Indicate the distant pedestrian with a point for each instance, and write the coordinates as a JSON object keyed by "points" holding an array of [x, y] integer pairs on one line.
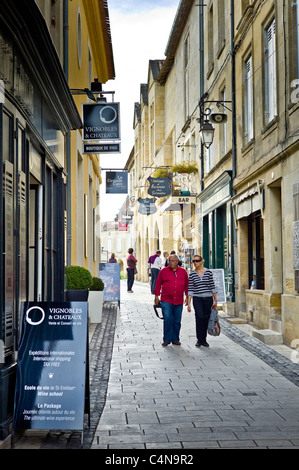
{"points": [[131, 269], [174, 253], [172, 284], [155, 264], [203, 291], [112, 259], [165, 259]]}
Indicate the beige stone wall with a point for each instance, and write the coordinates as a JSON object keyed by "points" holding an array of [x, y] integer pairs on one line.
{"points": [[272, 158]]}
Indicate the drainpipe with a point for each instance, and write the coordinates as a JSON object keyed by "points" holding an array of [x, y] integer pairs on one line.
{"points": [[234, 252], [68, 136], [201, 82], [2, 309], [233, 85]]}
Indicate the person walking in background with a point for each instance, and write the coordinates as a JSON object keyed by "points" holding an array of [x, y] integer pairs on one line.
{"points": [[165, 259], [202, 290], [174, 253], [155, 263], [112, 259], [131, 269], [172, 284]]}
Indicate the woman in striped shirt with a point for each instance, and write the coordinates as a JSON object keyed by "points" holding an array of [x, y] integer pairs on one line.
{"points": [[202, 290]]}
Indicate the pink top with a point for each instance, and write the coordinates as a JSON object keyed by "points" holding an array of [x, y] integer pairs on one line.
{"points": [[131, 257]]}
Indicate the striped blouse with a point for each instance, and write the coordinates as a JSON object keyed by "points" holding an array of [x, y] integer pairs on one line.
{"points": [[201, 286]]}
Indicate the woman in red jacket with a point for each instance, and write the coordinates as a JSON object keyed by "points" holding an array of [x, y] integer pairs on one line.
{"points": [[131, 269]]}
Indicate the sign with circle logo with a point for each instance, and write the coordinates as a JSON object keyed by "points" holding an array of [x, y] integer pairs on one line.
{"points": [[52, 370], [101, 121]]}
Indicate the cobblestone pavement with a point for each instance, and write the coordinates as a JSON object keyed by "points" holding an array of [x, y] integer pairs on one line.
{"points": [[239, 393]]}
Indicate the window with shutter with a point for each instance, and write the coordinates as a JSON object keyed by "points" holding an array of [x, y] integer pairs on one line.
{"points": [[248, 101], [270, 73]]}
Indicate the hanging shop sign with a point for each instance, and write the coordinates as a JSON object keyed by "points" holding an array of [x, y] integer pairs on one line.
{"points": [[176, 203], [116, 182], [159, 187], [147, 206], [101, 148], [101, 121], [122, 227], [52, 372]]}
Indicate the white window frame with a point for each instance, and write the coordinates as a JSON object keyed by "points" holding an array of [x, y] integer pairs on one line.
{"points": [[270, 72], [248, 100]]}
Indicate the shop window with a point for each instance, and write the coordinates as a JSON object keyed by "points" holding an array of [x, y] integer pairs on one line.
{"points": [[256, 263]]}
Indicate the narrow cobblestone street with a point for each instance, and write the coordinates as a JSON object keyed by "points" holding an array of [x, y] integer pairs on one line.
{"points": [[225, 396], [236, 394]]}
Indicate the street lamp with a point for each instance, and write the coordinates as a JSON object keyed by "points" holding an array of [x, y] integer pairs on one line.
{"points": [[207, 134]]}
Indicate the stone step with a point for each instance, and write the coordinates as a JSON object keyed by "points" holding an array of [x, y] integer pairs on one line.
{"points": [[236, 320], [275, 325], [268, 336]]}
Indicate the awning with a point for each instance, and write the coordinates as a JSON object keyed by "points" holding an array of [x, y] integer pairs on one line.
{"points": [[249, 200]]}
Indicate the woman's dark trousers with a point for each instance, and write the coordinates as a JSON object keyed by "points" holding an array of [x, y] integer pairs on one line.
{"points": [[202, 307], [130, 278]]}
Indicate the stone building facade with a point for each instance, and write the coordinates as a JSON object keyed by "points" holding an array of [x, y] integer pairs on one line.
{"points": [[266, 183], [239, 59]]}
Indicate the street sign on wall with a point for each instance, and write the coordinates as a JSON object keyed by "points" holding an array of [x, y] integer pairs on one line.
{"points": [[101, 121], [52, 366]]}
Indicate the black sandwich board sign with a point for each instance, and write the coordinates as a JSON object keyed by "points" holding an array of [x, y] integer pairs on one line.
{"points": [[52, 368]]}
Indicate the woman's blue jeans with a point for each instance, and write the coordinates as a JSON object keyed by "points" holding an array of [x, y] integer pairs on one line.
{"points": [[172, 321]]}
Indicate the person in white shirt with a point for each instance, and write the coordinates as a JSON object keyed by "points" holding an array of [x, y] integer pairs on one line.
{"points": [[155, 263]]}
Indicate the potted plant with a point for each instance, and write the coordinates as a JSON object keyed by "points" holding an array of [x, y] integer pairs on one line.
{"points": [[78, 282], [95, 300], [161, 173], [185, 167]]}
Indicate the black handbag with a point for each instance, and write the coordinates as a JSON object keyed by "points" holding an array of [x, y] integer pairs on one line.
{"points": [[156, 307]]}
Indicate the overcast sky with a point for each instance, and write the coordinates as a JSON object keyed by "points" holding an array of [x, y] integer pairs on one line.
{"points": [[140, 30]]}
